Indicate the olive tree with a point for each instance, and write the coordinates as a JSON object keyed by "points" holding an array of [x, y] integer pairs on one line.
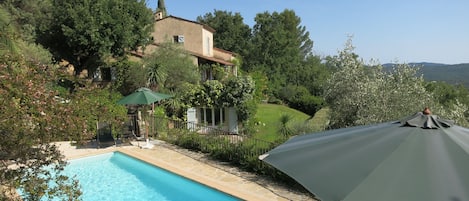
{"points": [[361, 94]]}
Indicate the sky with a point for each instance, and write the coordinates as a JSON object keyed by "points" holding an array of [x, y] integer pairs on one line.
{"points": [[401, 31]]}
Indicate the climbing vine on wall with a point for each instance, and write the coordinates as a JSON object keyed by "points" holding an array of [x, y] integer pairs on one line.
{"points": [[230, 92]]}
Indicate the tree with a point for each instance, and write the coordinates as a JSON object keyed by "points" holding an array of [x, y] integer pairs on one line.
{"points": [[313, 74], [6, 41], [29, 16], [161, 7], [298, 97], [279, 45], [234, 92], [169, 67], [231, 32], [36, 111], [454, 101], [279, 40], [87, 33], [359, 94], [306, 93], [31, 118]]}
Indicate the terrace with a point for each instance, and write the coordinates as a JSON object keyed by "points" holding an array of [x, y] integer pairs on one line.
{"points": [[198, 167]]}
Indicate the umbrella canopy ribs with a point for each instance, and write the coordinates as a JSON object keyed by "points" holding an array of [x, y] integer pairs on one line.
{"points": [[422, 157]]}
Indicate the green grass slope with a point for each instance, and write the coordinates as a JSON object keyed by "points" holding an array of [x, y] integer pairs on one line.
{"points": [[451, 74], [268, 116]]}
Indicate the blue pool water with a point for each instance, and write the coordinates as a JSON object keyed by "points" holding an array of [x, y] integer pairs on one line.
{"points": [[116, 176]]}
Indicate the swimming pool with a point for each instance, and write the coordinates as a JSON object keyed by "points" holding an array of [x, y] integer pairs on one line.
{"points": [[117, 176]]}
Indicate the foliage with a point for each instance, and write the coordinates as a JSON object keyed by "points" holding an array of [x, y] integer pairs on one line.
{"points": [[246, 110], [169, 67], [237, 90], [313, 75], [452, 74], [231, 32], [358, 94], [31, 118], [36, 110], [213, 72], [232, 92], [29, 16], [280, 44], [261, 86], [448, 94], [276, 54], [267, 120], [87, 33], [298, 97], [129, 76], [454, 101], [211, 93], [242, 153], [283, 129], [184, 138], [192, 95], [321, 120], [95, 104], [7, 33]]}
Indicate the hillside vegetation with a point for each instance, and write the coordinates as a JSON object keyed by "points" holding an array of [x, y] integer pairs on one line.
{"points": [[451, 74]]}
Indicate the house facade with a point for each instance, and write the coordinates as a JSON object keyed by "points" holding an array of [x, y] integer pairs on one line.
{"points": [[197, 40]]}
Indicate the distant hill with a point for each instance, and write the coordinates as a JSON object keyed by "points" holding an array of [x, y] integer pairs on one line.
{"points": [[452, 74]]}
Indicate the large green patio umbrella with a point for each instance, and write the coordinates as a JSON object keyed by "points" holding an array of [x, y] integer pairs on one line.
{"points": [[143, 96], [420, 158]]}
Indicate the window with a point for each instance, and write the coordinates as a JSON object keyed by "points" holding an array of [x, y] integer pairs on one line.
{"points": [[106, 74], [207, 43], [212, 116], [179, 39], [206, 72], [219, 116], [103, 74]]}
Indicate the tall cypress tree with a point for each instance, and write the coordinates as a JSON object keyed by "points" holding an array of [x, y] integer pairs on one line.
{"points": [[161, 7]]}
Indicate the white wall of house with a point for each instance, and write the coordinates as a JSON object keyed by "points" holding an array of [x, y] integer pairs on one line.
{"points": [[225, 118], [207, 46], [191, 118]]}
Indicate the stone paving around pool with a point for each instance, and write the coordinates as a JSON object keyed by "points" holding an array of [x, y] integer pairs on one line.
{"points": [[198, 167]]}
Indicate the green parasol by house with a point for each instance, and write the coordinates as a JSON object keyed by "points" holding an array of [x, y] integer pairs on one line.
{"points": [[143, 96]]}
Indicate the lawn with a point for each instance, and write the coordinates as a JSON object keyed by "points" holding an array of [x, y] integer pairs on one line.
{"points": [[268, 117]]}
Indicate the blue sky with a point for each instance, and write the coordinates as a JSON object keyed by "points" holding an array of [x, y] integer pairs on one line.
{"points": [[386, 30]]}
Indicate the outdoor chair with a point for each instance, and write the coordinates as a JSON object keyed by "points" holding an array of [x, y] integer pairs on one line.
{"points": [[104, 136]]}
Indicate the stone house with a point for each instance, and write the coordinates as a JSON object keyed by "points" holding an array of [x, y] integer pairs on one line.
{"points": [[197, 40]]}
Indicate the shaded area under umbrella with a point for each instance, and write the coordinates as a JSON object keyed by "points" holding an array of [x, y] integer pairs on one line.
{"points": [[143, 96], [420, 158]]}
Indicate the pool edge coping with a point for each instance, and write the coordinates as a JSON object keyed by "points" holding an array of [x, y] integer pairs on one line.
{"points": [[210, 182]]}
